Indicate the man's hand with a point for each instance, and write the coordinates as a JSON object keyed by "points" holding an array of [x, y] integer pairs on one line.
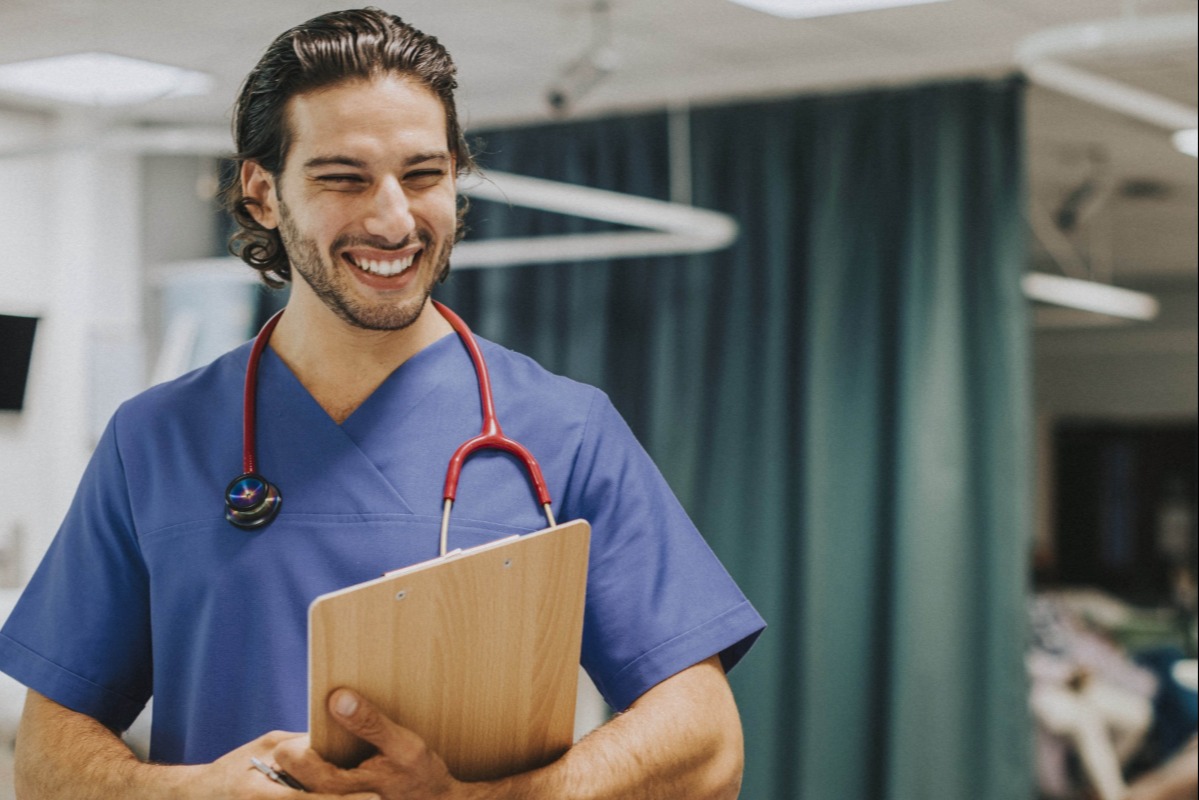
{"points": [[64, 754], [233, 775], [404, 767]]}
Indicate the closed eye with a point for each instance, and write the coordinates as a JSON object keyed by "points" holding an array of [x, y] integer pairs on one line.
{"points": [[336, 179], [423, 178]]}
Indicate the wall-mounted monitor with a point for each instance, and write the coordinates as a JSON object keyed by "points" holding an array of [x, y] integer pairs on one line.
{"points": [[16, 351]]}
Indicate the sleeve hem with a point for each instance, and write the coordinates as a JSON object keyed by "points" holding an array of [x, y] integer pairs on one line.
{"points": [[730, 634], [65, 687]]}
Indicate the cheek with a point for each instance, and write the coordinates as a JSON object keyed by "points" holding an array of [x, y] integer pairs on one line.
{"points": [[325, 222], [441, 212]]}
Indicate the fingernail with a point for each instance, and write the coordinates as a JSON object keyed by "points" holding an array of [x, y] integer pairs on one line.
{"points": [[345, 703]]}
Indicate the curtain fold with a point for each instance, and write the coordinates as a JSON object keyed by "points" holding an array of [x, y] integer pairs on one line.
{"points": [[841, 402]]}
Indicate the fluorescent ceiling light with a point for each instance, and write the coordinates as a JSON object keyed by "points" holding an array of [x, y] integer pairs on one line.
{"points": [[1100, 298], [796, 9], [101, 79], [1187, 142]]}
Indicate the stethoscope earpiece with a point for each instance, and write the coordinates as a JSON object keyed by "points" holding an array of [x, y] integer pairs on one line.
{"points": [[251, 501]]}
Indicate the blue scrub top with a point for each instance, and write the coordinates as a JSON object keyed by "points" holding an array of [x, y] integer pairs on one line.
{"points": [[148, 590]]}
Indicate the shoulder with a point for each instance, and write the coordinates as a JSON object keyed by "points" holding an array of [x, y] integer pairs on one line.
{"points": [[564, 422], [170, 445], [528, 381], [206, 398], [211, 381]]}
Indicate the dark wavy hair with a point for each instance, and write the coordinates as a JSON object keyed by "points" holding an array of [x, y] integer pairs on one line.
{"points": [[335, 47]]}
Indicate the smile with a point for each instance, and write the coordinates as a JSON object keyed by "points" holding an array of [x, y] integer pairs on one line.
{"points": [[381, 267]]}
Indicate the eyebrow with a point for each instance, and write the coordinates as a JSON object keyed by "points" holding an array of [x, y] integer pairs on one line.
{"points": [[357, 163]]}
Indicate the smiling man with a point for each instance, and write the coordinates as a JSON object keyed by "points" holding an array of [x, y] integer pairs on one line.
{"points": [[365, 206], [349, 150]]}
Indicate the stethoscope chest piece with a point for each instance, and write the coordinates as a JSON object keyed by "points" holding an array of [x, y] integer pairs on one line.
{"points": [[251, 501]]}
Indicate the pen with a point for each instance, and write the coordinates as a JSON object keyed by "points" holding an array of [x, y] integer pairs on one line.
{"points": [[277, 775]]}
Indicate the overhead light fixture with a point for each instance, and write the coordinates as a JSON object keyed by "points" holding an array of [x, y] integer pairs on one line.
{"points": [[101, 79], [1187, 141], [583, 74], [1042, 56], [1099, 298], [797, 9]]}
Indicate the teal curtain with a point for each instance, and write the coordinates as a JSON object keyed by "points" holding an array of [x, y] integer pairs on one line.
{"points": [[841, 401]]}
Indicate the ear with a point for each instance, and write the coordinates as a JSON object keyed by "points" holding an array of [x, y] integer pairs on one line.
{"points": [[258, 187]]}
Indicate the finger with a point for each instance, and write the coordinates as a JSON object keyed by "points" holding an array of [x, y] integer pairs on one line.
{"points": [[361, 718], [291, 750], [301, 762], [269, 741], [281, 760], [266, 780]]}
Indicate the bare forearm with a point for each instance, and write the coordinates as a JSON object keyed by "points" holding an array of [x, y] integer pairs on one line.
{"points": [[651, 752], [63, 754]]}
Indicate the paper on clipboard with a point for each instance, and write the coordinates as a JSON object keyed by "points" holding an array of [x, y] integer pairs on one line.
{"points": [[476, 651]]}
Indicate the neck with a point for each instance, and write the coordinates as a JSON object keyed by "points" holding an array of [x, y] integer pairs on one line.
{"points": [[341, 364]]}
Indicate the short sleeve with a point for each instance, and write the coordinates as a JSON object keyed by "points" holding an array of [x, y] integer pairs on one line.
{"points": [[80, 632], [658, 599]]}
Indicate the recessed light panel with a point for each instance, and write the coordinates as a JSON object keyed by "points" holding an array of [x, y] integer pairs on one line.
{"points": [[101, 79], [796, 9]]}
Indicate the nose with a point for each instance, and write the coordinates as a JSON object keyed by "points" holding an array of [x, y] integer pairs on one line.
{"points": [[389, 212]]}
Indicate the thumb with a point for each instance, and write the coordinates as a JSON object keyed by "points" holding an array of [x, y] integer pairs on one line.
{"points": [[363, 719]]}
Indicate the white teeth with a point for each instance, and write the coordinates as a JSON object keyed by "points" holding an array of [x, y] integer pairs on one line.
{"points": [[385, 268]]}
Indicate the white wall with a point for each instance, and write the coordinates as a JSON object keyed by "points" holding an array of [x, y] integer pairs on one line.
{"points": [[71, 240], [81, 228], [26, 198], [1133, 371]]}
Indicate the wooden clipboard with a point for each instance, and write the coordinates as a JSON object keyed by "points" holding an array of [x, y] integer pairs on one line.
{"points": [[476, 651]]}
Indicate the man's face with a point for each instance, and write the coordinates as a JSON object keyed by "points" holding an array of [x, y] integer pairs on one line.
{"points": [[366, 201]]}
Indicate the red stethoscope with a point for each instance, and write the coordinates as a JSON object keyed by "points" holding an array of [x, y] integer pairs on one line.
{"points": [[251, 501]]}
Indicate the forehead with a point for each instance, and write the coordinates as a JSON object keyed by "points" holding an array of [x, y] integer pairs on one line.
{"points": [[386, 116]]}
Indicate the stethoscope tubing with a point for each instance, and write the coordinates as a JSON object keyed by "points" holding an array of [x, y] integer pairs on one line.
{"points": [[492, 437], [250, 399], [251, 501], [258, 512]]}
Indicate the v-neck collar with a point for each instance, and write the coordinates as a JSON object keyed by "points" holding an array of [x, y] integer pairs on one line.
{"points": [[404, 388], [348, 466]]}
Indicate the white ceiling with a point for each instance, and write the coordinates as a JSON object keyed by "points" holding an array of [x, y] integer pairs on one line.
{"points": [[1142, 229]]}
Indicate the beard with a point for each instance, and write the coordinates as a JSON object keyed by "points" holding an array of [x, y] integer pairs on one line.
{"points": [[335, 288]]}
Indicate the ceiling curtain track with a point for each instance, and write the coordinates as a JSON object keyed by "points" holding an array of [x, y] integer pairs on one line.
{"points": [[841, 401]]}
